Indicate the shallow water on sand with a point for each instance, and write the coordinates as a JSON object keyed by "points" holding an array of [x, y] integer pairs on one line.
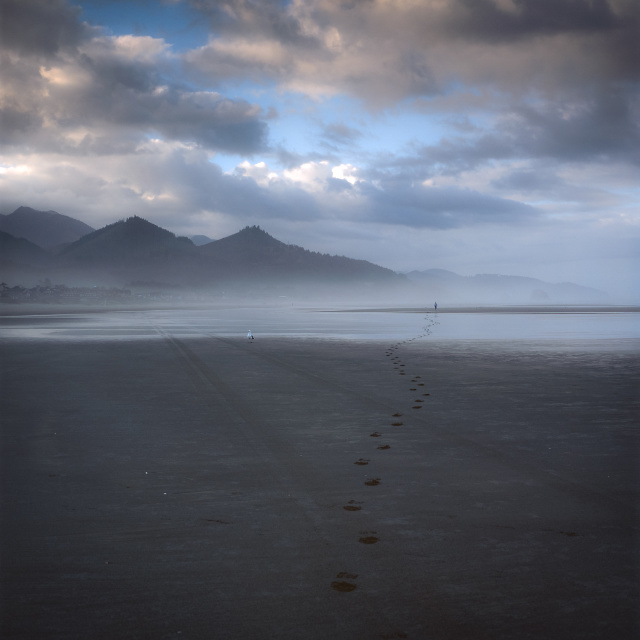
{"points": [[390, 324]]}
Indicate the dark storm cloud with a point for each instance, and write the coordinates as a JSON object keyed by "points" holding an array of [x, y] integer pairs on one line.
{"points": [[385, 52], [66, 77], [530, 181], [267, 18], [40, 27], [204, 186], [135, 96], [442, 208], [487, 20], [611, 26], [604, 127], [341, 133]]}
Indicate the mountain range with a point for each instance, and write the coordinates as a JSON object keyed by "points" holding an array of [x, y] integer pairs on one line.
{"points": [[499, 289], [35, 245], [136, 253]]}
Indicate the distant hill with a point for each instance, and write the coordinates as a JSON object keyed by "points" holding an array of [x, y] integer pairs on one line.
{"points": [[253, 254], [199, 240], [129, 250], [21, 261], [44, 228], [20, 252], [135, 252], [248, 262], [449, 287], [133, 241]]}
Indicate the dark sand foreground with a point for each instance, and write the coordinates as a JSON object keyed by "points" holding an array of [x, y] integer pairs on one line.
{"points": [[180, 486]]}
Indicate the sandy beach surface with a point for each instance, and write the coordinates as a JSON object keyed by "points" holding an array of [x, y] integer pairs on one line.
{"points": [[162, 478]]}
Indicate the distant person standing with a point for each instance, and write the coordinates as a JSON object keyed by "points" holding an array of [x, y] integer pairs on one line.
{"points": [[435, 306], [249, 336]]}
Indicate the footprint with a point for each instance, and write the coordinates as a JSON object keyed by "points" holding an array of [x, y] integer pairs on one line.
{"points": [[421, 384], [368, 540], [413, 389], [426, 394], [353, 505], [218, 521], [419, 400], [396, 415], [396, 424], [385, 446], [419, 406], [375, 434], [373, 482], [362, 461], [342, 585]]}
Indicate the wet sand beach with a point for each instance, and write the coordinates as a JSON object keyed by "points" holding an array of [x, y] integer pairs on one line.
{"points": [[162, 480]]}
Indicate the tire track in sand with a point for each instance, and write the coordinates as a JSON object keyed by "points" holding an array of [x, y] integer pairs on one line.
{"points": [[285, 469]]}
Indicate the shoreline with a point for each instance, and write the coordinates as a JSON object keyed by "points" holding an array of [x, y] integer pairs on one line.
{"points": [[528, 309], [27, 308], [220, 488]]}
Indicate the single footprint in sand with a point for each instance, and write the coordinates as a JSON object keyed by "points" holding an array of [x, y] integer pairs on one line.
{"points": [[361, 461], [368, 540], [418, 406], [353, 505], [396, 424], [343, 585], [396, 415], [385, 446], [373, 482], [375, 434]]}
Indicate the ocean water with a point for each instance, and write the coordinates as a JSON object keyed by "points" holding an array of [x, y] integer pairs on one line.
{"points": [[566, 326]]}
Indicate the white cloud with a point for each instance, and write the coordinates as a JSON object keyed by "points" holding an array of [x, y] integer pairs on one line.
{"points": [[345, 172], [259, 172], [310, 175]]}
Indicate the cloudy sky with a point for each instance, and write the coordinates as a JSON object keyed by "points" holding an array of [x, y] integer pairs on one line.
{"points": [[480, 136]]}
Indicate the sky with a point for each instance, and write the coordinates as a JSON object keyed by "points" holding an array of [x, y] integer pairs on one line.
{"points": [[479, 136]]}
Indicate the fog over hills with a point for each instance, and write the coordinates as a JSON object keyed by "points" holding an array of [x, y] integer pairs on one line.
{"points": [[21, 252], [449, 287], [253, 253], [136, 253], [199, 240], [44, 228]]}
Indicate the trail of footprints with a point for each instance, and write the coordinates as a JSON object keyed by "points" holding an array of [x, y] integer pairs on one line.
{"points": [[345, 581]]}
